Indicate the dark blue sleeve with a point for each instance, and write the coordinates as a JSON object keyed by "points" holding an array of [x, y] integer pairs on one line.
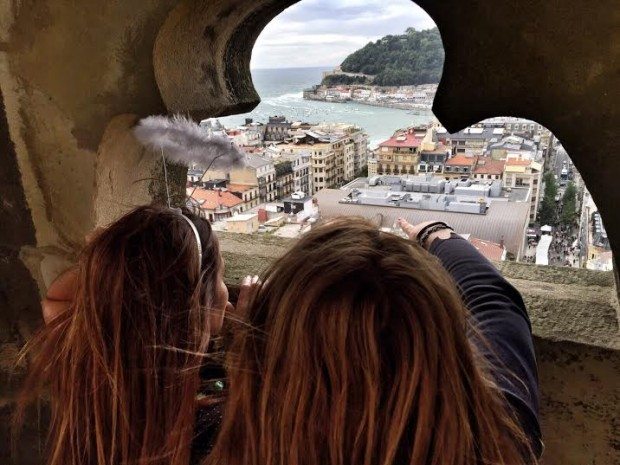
{"points": [[499, 314]]}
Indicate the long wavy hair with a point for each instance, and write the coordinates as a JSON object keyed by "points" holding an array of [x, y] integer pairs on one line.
{"points": [[122, 364], [356, 351]]}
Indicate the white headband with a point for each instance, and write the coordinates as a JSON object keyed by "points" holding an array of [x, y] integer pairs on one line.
{"points": [[193, 226]]}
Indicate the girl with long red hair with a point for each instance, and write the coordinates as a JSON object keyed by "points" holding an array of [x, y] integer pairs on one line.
{"points": [[126, 335], [363, 348]]}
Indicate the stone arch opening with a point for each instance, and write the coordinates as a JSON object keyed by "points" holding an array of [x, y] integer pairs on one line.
{"points": [[288, 103], [74, 77], [473, 87]]}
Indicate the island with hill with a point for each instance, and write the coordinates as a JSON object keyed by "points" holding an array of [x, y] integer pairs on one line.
{"points": [[399, 71]]}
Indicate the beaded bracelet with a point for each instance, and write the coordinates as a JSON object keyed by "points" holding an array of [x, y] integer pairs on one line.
{"points": [[429, 229]]}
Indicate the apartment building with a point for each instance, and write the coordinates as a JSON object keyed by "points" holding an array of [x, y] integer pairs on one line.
{"points": [[247, 193], [213, 205], [488, 169], [525, 173], [300, 158], [400, 154], [433, 154], [372, 166], [246, 136], [277, 128], [333, 151], [470, 141], [324, 168], [302, 176], [460, 166], [258, 171], [360, 154], [433, 161], [284, 179], [350, 144]]}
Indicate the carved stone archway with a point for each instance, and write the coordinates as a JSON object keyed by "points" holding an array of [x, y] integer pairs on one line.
{"points": [[74, 76]]}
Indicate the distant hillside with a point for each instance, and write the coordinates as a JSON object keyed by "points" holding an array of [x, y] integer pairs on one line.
{"points": [[415, 57]]}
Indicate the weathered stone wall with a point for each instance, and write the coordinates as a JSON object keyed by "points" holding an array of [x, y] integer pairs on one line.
{"points": [[67, 69], [74, 76], [580, 402]]}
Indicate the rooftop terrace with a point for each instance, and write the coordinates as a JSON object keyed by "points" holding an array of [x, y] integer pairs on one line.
{"points": [[503, 220]]}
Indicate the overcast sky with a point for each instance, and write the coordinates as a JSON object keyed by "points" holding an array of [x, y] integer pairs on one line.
{"points": [[324, 32]]}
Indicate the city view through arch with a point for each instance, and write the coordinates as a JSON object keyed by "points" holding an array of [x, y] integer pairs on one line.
{"points": [[345, 127]]}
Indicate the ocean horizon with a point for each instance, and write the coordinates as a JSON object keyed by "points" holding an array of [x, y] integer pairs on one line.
{"points": [[326, 67]]}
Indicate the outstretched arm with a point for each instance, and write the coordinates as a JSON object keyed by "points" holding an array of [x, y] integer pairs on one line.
{"points": [[499, 315]]}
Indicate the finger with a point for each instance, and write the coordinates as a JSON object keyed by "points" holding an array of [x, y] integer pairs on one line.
{"points": [[53, 308], [245, 294], [407, 227], [91, 235], [64, 286]]}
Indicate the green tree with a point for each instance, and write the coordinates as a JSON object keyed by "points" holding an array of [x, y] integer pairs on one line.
{"points": [[548, 213], [343, 79], [569, 204], [415, 57], [551, 185]]}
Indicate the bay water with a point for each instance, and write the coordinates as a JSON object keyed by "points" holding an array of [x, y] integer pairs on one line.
{"points": [[281, 92]]}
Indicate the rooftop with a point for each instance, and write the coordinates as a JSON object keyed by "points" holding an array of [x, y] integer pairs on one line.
{"points": [[241, 187], [243, 217], [439, 149], [256, 161], [461, 160], [514, 143], [503, 219], [490, 250], [473, 133], [517, 162], [407, 139], [213, 199], [488, 165]]}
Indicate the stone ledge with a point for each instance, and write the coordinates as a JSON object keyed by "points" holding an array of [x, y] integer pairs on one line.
{"points": [[565, 304]]}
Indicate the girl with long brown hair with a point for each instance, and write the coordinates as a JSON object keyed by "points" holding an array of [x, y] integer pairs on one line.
{"points": [[126, 336], [360, 349]]}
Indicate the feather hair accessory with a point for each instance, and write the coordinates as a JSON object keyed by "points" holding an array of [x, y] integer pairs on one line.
{"points": [[181, 140]]}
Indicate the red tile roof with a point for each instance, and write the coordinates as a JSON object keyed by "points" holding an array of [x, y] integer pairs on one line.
{"points": [[490, 250], [407, 140], [487, 165], [212, 199], [461, 160]]}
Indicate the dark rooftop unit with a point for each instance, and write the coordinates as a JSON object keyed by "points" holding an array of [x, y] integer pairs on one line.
{"points": [[215, 184], [277, 120], [295, 203]]}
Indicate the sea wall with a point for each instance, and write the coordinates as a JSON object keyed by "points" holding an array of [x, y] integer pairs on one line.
{"points": [[399, 106]]}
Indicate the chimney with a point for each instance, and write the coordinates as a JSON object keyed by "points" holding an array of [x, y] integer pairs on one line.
{"points": [[501, 242]]}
